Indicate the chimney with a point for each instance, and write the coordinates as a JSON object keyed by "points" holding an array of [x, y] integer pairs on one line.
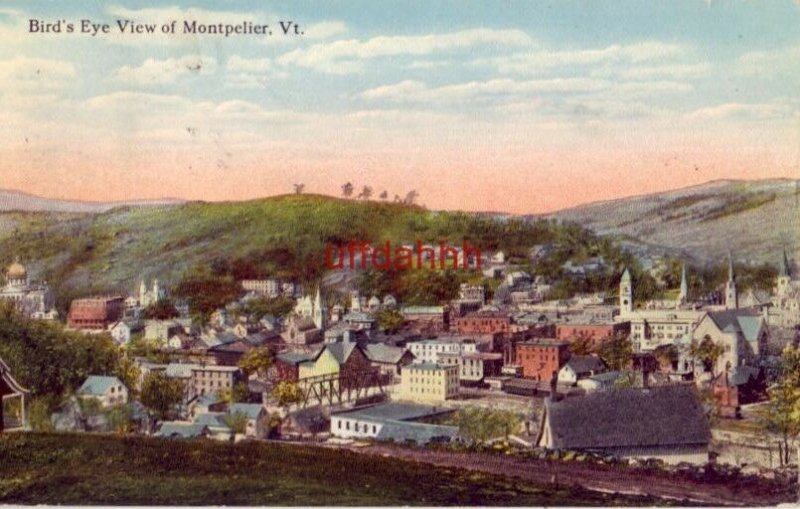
{"points": [[554, 396]]}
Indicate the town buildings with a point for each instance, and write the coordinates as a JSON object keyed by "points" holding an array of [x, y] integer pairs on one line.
{"points": [[666, 423], [34, 300], [95, 313], [397, 422], [428, 383], [108, 391], [542, 359]]}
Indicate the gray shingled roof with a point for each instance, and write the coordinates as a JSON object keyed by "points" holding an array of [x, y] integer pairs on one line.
{"points": [[384, 353], [341, 351], [582, 364], [421, 433], [741, 321], [634, 417]]}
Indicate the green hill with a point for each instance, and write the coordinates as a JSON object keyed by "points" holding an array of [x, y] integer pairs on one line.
{"points": [[755, 220], [110, 470], [283, 236]]}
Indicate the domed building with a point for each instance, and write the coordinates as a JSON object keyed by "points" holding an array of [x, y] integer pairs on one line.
{"points": [[31, 299]]}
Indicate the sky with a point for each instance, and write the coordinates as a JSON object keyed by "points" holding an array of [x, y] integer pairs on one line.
{"points": [[517, 106]]}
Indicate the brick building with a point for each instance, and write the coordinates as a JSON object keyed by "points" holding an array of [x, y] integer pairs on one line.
{"points": [[595, 332], [95, 313], [483, 322], [541, 358]]}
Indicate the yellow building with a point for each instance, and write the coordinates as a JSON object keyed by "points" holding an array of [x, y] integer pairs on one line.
{"points": [[325, 363], [428, 383]]}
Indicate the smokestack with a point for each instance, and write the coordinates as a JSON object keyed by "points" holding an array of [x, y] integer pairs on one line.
{"points": [[554, 396]]}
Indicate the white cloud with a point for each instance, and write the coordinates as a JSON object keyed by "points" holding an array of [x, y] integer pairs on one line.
{"points": [[779, 109], [170, 70], [31, 74], [537, 59], [346, 56], [770, 62], [413, 91], [671, 71]]}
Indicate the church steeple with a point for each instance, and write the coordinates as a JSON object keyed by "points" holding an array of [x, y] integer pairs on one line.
{"points": [[731, 296], [683, 296], [786, 267], [625, 294], [319, 310]]}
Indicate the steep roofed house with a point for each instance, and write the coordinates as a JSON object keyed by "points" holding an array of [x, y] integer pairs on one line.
{"points": [[579, 367], [666, 422], [301, 330], [107, 390], [742, 333], [389, 359]]}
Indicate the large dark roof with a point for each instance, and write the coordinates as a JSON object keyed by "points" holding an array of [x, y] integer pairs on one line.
{"points": [[742, 321], [634, 417]]}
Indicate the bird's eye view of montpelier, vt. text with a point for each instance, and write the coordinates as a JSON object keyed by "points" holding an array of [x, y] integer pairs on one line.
{"points": [[400, 253]]}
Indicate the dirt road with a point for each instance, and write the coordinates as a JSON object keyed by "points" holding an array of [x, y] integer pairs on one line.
{"points": [[598, 477]]}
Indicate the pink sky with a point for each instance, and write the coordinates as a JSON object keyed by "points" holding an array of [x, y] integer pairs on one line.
{"points": [[526, 183]]}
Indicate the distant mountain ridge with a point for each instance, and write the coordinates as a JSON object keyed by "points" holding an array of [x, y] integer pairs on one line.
{"points": [[754, 220], [26, 202]]}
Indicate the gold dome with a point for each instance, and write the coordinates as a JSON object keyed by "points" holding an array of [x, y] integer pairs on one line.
{"points": [[16, 271]]}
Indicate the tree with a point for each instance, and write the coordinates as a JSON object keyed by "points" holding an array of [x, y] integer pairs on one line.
{"points": [[287, 393], [707, 352], [480, 424], [256, 360], [617, 352], [347, 190], [666, 355], [581, 345], [384, 195], [298, 188], [239, 393], [625, 381], [39, 415], [237, 422], [161, 394], [365, 193], [278, 307], [783, 411], [120, 418], [389, 320], [161, 310], [411, 197]]}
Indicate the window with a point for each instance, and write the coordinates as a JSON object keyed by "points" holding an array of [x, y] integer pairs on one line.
{"points": [[347, 425], [340, 425]]}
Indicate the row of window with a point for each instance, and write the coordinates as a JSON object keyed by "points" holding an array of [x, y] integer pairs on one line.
{"points": [[357, 428]]}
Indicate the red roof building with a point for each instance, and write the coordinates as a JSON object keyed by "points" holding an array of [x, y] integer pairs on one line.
{"points": [[95, 313]]}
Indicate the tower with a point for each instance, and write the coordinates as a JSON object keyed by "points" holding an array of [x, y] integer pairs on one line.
{"points": [[784, 276], [731, 297], [625, 294], [683, 296], [319, 311], [142, 294], [156, 291]]}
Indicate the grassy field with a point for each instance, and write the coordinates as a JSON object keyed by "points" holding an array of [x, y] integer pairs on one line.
{"points": [[94, 469]]}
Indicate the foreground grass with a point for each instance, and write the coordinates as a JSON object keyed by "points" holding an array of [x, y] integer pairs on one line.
{"points": [[94, 469]]}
